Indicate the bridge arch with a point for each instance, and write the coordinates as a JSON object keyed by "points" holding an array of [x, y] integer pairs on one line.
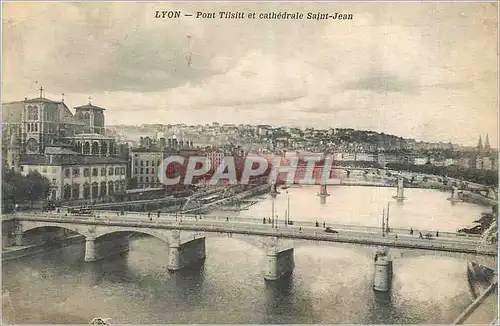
{"points": [[27, 226], [164, 236]]}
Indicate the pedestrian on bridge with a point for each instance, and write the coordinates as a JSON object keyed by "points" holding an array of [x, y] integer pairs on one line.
{"points": [[149, 214], [158, 214], [437, 234], [411, 231], [324, 225], [264, 220], [227, 218], [420, 235]]}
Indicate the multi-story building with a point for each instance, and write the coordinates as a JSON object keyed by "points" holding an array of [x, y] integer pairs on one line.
{"points": [[144, 167], [76, 177], [216, 158], [40, 122]]}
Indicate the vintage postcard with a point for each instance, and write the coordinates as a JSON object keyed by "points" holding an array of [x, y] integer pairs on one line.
{"points": [[249, 163]]}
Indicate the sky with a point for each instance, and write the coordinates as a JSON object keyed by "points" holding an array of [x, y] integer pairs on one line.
{"points": [[427, 71]]}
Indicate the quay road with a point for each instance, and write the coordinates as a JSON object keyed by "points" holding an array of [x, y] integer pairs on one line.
{"points": [[446, 242]]}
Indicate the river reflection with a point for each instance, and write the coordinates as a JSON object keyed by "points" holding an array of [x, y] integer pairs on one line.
{"points": [[330, 284]]}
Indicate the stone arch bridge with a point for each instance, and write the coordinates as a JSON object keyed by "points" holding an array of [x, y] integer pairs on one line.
{"points": [[186, 242]]}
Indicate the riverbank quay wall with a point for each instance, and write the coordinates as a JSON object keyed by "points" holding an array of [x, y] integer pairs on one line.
{"points": [[15, 252], [491, 291]]}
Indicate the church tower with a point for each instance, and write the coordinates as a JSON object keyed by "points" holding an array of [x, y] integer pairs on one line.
{"points": [[480, 144], [487, 144], [14, 151]]}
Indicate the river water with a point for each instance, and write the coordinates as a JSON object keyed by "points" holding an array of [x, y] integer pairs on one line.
{"points": [[329, 285]]}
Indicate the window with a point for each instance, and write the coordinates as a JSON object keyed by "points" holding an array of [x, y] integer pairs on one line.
{"points": [[95, 172], [86, 172], [158, 163], [122, 171], [117, 171], [135, 170], [152, 163], [142, 162], [140, 179], [32, 113], [153, 170], [103, 188], [147, 163], [76, 172], [66, 173], [142, 170], [136, 162], [103, 172], [147, 170], [147, 179], [110, 171]]}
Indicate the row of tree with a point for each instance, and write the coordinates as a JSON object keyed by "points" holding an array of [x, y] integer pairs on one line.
{"points": [[20, 189]]}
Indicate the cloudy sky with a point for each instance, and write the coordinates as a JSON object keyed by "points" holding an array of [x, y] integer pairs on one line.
{"points": [[421, 70]]}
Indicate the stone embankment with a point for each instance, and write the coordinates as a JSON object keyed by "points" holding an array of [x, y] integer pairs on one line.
{"points": [[15, 252]]}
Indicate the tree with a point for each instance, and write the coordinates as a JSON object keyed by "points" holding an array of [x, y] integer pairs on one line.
{"points": [[36, 186], [132, 183], [17, 188]]}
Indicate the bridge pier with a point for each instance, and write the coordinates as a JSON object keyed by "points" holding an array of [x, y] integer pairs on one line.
{"points": [[279, 264], [382, 278], [90, 249], [400, 190], [181, 255], [454, 196], [18, 238], [174, 257]]}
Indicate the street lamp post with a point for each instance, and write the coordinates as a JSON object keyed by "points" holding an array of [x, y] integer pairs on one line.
{"points": [[288, 208], [272, 213], [387, 219], [383, 222]]}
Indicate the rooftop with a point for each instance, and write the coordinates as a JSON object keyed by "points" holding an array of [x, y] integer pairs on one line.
{"points": [[89, 136], [89, 107], [40, 99], [53, 150], [69, 160]]}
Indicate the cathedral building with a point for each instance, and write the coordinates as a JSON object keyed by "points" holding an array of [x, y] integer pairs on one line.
{"points": [[71, 150], [485, 157]]}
